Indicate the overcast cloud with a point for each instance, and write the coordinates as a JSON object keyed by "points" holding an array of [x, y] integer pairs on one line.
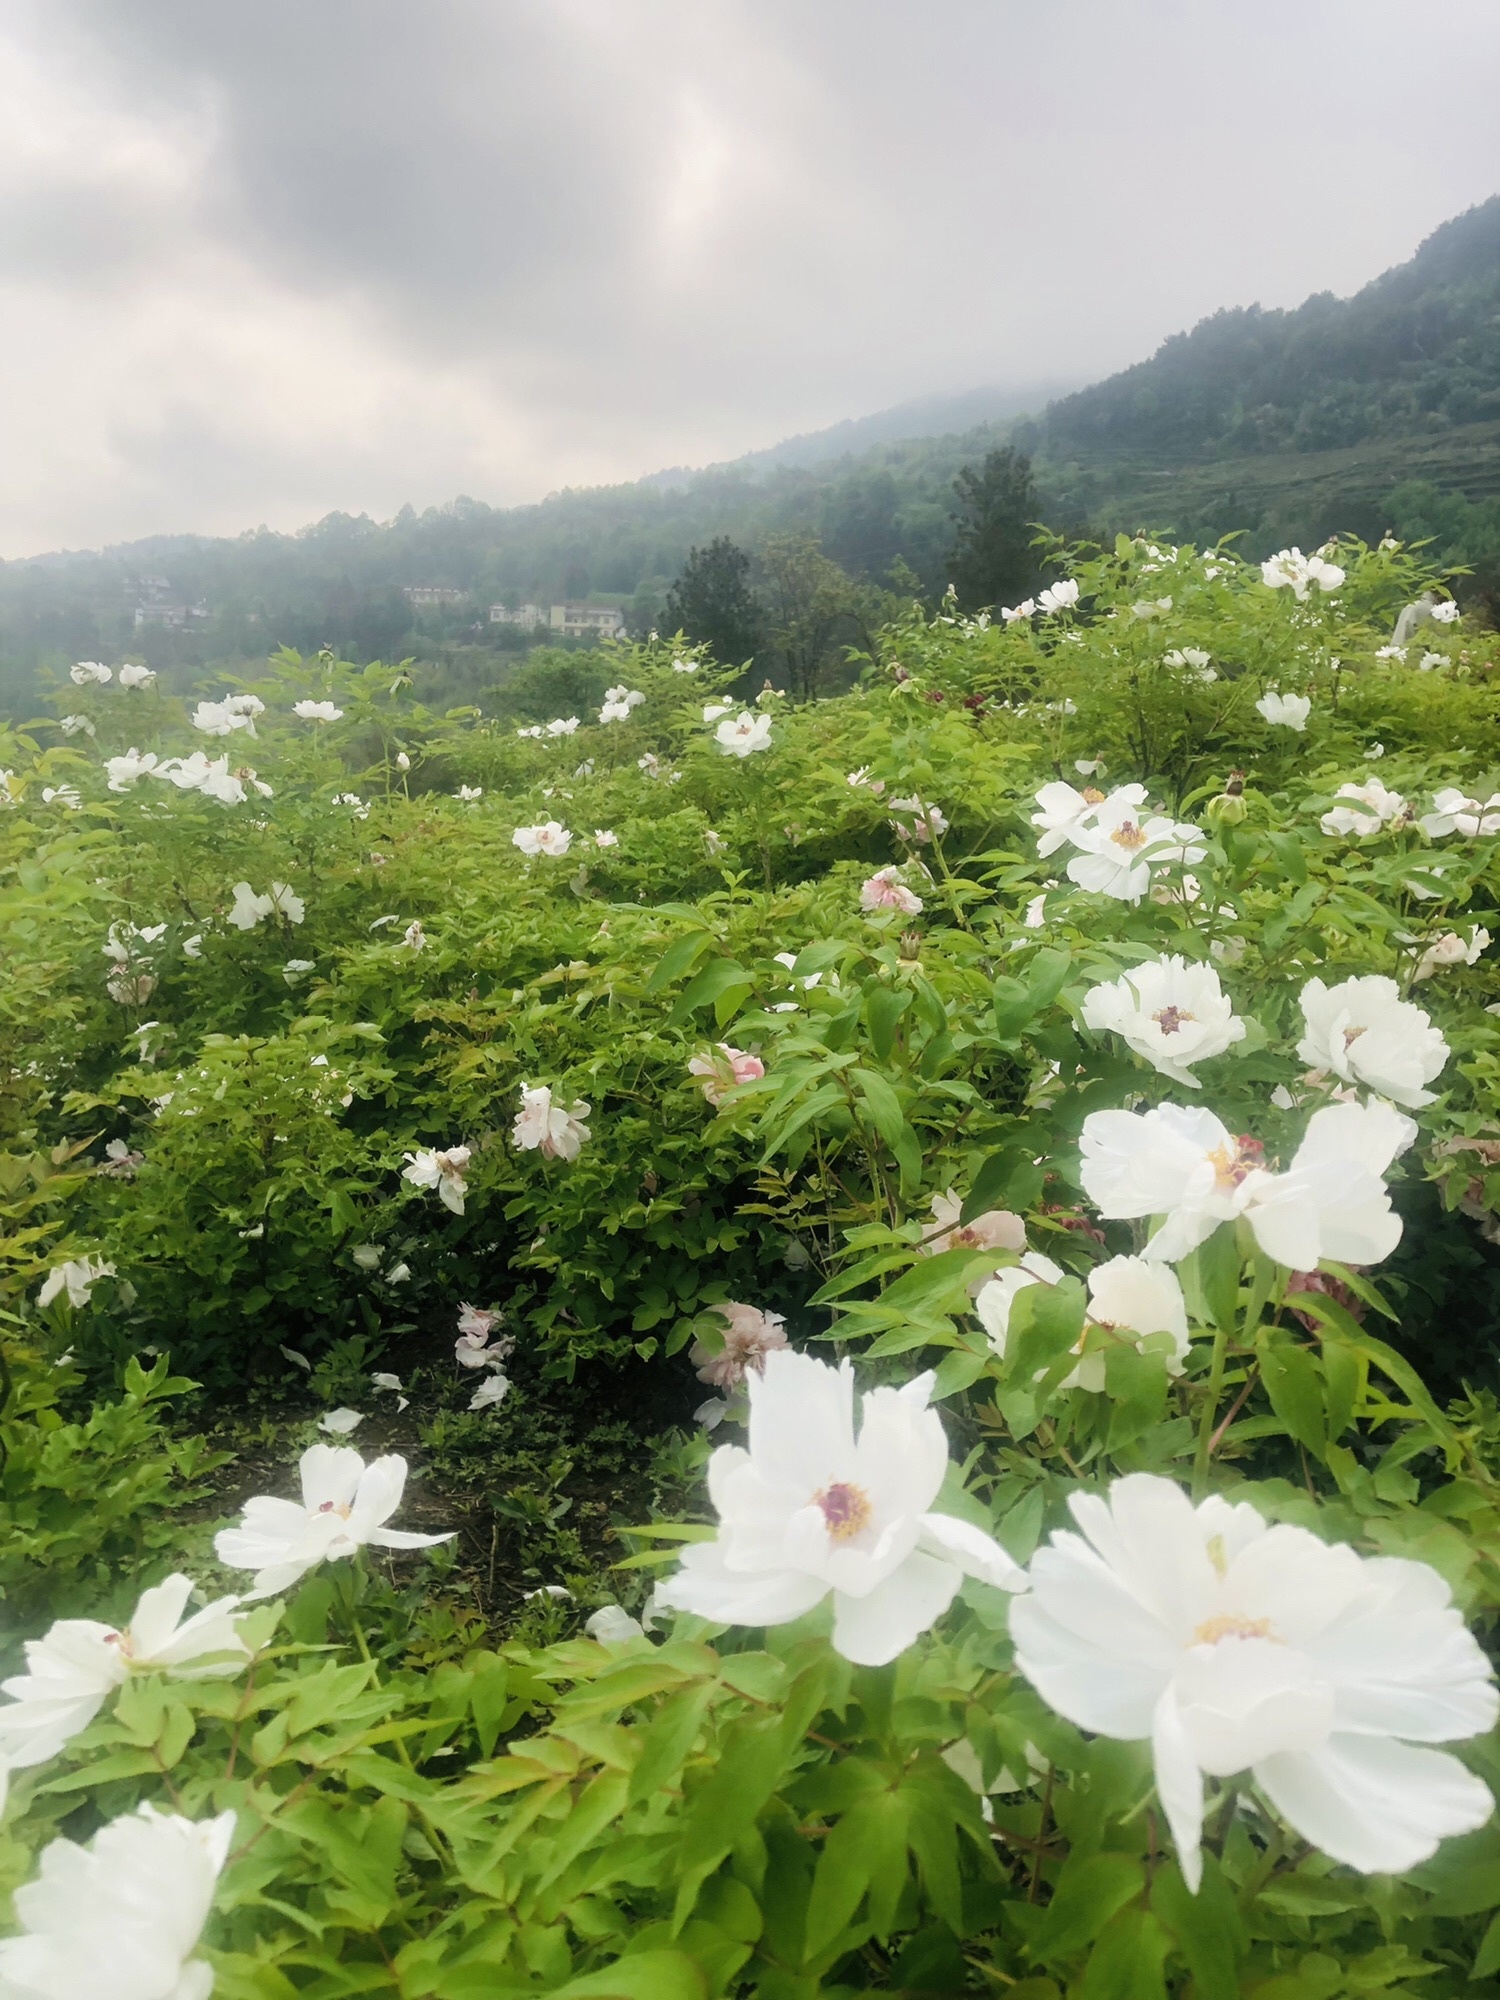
{"points": [[260, 259]]}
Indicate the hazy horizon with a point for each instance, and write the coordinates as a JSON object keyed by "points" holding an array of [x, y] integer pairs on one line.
{"points": [[260, 266]]}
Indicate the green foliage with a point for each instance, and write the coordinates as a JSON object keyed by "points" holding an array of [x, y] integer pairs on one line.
{"points": [[440, 1789]]}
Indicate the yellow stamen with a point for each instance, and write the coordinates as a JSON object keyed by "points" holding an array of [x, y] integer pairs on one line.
{"points": [[1227, 1626]]}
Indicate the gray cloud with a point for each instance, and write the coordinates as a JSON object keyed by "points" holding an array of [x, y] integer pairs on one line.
{"points": [[259, 261]]}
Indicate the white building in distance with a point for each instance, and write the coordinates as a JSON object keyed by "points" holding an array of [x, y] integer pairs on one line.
{"points": [[427, 596], [587, 621], [524, 614]]}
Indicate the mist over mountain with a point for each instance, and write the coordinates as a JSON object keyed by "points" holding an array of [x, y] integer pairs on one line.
{"points": [[1380, 410]]}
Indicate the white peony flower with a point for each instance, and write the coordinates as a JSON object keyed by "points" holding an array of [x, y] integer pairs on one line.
{"points": [[615, 711], [345, 1505], [555, 1131], [445, 1171], [884, 890], [1133, 1296], [317, 711], [1170, 1011], [1365, 1033], [562, 726], [77, 1278], [1014, 613], [1372, 807], [414, 937], [467, 794], [1067, 813], [1060, 596], [1232, 1645], [341, 1422], [1331, 1202], [1446, 612], [64, 795], [996, 1229], [1188, 1168], [745, 735], [1194, 660], [90, 673], [1292, 570], [492, 1391], [123, 772], [73, 1670], [1451, 949], [1284, 711], [1117, 849], [684, 666], [547, 837], [218, 718], [137, 677], [120, 1917], [604, 838], [71, 725], [1454, 812], [811, 1509]]}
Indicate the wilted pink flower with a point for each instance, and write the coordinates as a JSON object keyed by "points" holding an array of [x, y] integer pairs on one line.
{"points": [[480, 1320], [722, 1069], [749, 1336], [886, 891]]}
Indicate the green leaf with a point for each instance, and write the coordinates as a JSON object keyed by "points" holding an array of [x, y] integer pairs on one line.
{"points": [[649, 1975], [884, 1105], [1487, 1958], [1045, 1322], [1295, 1387], [1126, 1963], [668, 1740], [1046, 976], [679, 957], [884, 1006], [1207, 1927], [1007, 1179], [1090, 1890], [714, 983], [866, 1846]]}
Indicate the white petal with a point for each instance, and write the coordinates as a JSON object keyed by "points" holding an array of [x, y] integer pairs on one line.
{"points": [[974, 1551], [1179, 1786], [1379, 1805], [873, 1630]]}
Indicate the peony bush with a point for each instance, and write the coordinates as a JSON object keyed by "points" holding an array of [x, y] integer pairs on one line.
{"points": [[1046, 1097]]}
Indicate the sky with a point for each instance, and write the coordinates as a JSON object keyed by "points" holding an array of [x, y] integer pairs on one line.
{"points": [[261, 260]]}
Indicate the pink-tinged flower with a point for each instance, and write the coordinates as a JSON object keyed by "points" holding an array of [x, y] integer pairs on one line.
{"points": [[930, 820], [545, 838], [886, 891], [1451, 949], [811, 1509], [555, 1131], [444, 1171], [996, 1229], [722, 1069], [744, 736], [749, 1336], [480, 1320]]}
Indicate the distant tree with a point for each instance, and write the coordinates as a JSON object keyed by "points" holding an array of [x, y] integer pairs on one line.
{"points": [[712, 603], [991, 561], [816, 611]]}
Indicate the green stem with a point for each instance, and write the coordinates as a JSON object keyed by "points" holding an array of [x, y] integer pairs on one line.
{"points": [[1209, 1413]]}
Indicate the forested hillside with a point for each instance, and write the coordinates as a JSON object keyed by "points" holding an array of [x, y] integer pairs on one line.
{"points": [[1415, 353], [1380, 412]]}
